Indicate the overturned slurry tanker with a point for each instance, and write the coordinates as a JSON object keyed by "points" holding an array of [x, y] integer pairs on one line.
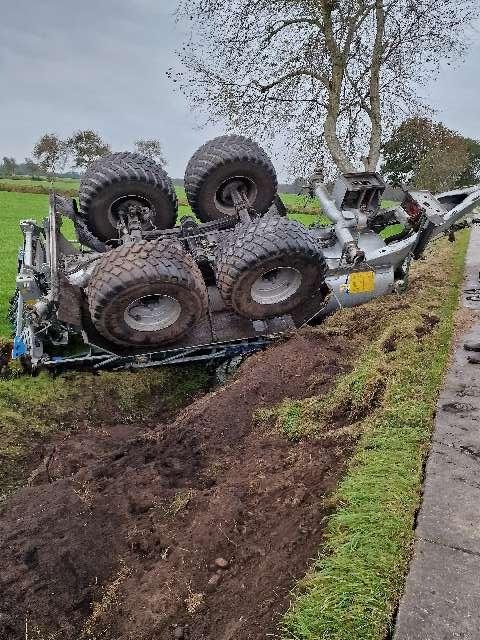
{"points": [[136, 290]]}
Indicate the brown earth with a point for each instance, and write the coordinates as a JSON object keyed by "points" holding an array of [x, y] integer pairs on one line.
{"points": [[194, 529]]}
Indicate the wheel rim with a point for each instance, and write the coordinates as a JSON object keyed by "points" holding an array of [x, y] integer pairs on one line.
{"points": [[276, 285], [152, 313], [224, 194]]}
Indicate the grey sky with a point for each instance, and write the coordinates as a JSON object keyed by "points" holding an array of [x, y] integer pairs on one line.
{"points": [[102, 65]]}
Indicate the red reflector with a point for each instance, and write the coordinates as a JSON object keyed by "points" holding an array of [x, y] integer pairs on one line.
{"points": [[413, 209]]}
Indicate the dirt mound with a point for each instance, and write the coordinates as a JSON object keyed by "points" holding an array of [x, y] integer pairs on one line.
{"points": [[195, 529]]}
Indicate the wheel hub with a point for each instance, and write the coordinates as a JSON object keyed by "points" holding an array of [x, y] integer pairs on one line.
{"points": [[224, 199], [276, 285], [152, 313], [122, 207]]}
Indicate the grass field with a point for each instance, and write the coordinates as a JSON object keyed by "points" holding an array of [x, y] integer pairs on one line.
{"points": [[63, 184], [290, 199], [301, 207]]}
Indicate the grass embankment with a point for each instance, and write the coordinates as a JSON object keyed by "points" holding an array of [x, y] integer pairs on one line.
{"points": [[388, 400], [34, 409]]}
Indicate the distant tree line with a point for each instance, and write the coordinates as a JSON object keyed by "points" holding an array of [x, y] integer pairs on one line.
{"points": [[51, 154]]}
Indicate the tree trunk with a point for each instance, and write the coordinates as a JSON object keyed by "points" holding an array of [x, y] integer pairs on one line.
{"points": [[375, 94], [334, 146]]}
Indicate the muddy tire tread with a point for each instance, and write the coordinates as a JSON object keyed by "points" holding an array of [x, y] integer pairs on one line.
{"points": [[265, 238], [122, 156], [117, 171], [143, 261], [222, 151]]}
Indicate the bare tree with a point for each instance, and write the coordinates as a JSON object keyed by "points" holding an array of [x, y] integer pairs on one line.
{"points": [[330, 75], [152, 149], [51, 153], [31, 167], [9, 166], [86, 147]]}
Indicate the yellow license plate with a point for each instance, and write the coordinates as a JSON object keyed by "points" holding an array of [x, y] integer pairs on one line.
{"points": [[361, 282]]}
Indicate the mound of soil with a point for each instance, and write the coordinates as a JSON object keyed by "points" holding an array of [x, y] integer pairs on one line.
{"points": [[195, 529]]}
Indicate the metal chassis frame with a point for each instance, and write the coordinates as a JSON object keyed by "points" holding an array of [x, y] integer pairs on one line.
{"points": [[106, 361]]}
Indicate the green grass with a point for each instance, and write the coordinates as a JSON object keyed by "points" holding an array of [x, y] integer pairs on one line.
{"points": [[389, 401], [63, 184], [181, 195], [13, 208]]}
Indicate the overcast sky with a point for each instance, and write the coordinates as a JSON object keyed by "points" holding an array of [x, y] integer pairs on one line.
{"points": [[102, 65]]}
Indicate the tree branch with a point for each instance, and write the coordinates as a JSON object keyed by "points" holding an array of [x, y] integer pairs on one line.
{"points": [[274, 30], [297, 73]]}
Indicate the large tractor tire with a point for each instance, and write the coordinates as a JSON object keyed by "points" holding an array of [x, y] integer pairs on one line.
{"points": [[123, 156], [271, 267], [225, 163], [116, 183], [146, 294], [233, 140]]}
